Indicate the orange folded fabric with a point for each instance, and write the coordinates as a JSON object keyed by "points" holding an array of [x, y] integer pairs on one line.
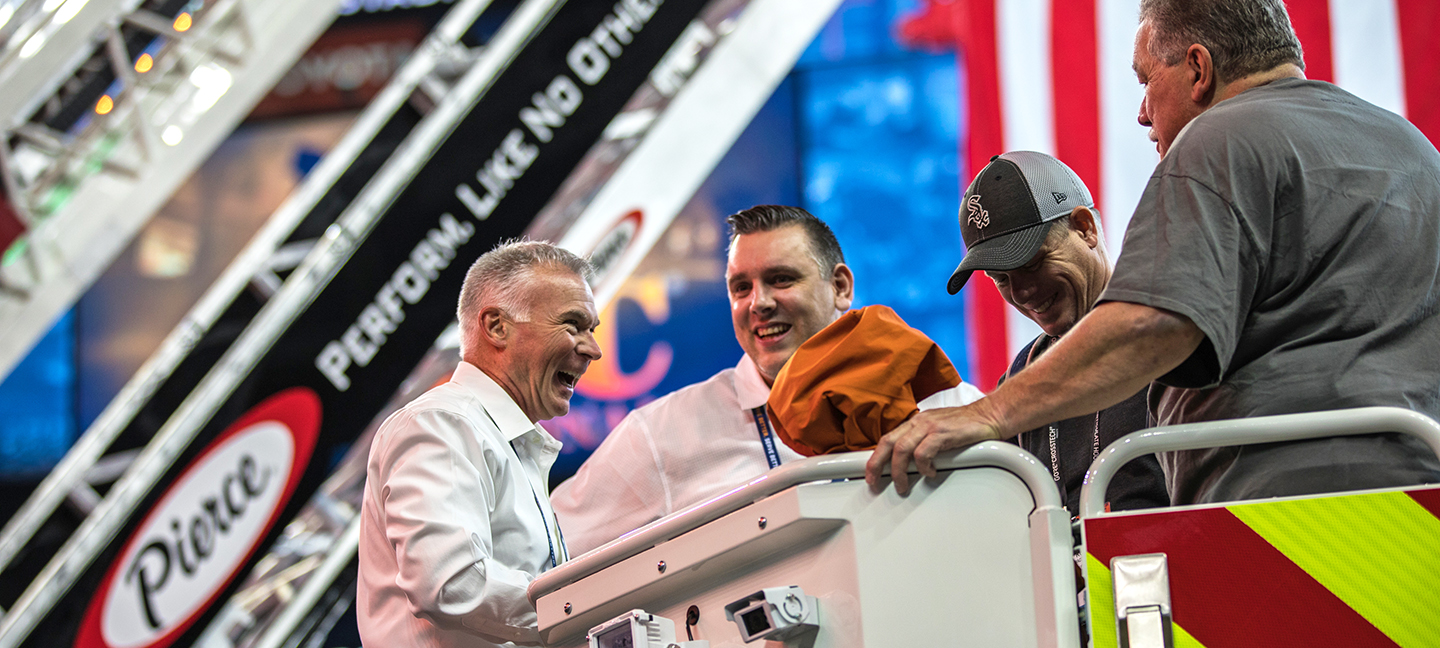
{"points": [[854, 381]]}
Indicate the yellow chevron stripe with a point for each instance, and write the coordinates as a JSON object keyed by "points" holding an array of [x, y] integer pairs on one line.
{"points": [[1378, 552], [1101, 591]]}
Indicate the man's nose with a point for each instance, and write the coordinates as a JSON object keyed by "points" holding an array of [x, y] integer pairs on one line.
{"points": [[762, 299], [1144, 116], [588, 347], [1021, 287]]}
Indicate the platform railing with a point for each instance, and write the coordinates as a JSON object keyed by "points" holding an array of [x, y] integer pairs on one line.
{"points": [[1260, 429]]}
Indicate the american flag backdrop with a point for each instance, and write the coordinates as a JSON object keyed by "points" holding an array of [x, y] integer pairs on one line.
{"points": [[1055, 76]]}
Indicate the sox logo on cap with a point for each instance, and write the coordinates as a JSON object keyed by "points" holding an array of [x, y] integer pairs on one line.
{"points": [[978, 216]]}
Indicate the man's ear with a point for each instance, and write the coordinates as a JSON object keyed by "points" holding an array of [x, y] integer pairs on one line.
{"points": [[843, 280], [494, 327], [1082, 221], [1201, 70]]}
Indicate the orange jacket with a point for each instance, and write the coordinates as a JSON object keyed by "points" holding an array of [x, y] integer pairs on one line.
{"points": [[854, 381]]}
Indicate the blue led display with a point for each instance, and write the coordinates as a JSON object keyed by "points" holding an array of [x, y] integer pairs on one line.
{"points": [[37, 406]]}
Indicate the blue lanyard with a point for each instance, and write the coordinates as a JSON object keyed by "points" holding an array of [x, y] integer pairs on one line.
{"points": [[548, 541], [554, 560], [767, 438]]}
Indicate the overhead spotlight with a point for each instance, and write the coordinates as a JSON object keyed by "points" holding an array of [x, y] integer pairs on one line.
{"points": [[104, 105], [144, 63], [183, 22], [69, 10], [33, 44]]}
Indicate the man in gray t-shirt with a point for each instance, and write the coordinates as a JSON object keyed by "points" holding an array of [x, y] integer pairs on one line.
{"points": [[1285, 257], [1297, 227]]}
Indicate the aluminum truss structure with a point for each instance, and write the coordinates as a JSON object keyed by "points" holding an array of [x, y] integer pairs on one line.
{"points": [[108, 106]]}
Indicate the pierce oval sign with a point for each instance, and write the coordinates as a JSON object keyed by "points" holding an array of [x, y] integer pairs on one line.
{"points": [[615, 243], [193, 543]]}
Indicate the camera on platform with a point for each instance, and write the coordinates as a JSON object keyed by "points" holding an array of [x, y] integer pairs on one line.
{"points": [[775, 614]]}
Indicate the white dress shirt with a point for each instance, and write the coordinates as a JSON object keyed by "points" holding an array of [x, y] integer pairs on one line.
{"points": [[685, 448], [455, 521]]}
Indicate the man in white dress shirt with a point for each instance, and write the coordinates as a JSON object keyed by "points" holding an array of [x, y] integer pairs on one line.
{"points": [[787, 280], [455, 518]]}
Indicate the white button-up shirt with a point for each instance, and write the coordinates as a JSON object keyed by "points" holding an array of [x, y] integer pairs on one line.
{"points": [[685, 448], [455, 520]]}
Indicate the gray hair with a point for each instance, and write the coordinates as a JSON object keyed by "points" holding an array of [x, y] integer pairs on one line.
{"points": [[765, 218], [500, 278], [1244, 36], [1061, 228]]}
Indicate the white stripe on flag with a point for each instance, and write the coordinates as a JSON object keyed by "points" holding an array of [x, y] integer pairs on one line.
{"points": [[1026, 94], [1020, 330], [1027, 99], [1366, 43], [1127, 156]]}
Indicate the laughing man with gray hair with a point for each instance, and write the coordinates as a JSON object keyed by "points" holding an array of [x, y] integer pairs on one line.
{"points": [[455, 516]]}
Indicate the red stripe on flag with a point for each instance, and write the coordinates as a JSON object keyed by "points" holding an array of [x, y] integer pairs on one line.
{"points": [[1428, 498], [984, 309], [1311, 20], [1228, 586], [1075, 72], [982, 68], [1419, 22]]}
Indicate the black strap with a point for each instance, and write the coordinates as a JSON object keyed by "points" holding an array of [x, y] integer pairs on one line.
{"points": [[767, 437], [553, 562]]}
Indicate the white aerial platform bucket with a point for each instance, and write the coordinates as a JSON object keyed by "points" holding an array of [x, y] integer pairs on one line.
{"points": [[981, 556]]}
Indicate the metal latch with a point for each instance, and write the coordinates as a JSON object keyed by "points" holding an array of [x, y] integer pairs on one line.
{"points": [[1142, 601]]}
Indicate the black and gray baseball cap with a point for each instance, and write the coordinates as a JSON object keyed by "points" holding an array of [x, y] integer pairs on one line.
{"points": [[1005, 207]]}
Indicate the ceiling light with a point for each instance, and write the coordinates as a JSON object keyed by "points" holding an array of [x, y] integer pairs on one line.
{"points": [[32, 46], [69, 11]]}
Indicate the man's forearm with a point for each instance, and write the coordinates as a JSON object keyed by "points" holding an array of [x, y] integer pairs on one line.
{"points": [[1113, 352]]}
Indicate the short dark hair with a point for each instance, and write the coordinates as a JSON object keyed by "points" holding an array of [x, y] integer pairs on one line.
{"points": [[765, 218], [1244, 36]]}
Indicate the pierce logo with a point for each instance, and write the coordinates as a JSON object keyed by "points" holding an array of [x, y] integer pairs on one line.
{"points": [[614, 244], [978, 216], [194, 541]]}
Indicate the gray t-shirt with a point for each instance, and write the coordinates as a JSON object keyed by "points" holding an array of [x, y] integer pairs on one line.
{"points": [[1299, 227]]}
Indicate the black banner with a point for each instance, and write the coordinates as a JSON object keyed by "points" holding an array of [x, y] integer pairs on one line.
{"points": [[256, 462]]}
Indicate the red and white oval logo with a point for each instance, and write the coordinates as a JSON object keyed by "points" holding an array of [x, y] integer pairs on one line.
{"points": [[613, 245], [193, 543]]}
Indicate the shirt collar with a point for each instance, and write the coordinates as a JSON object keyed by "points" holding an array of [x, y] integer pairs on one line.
{"points": [[750, 387], [502, 409]]}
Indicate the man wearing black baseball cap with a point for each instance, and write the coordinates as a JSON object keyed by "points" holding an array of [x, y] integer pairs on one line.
{"points": [[1005, 206], [1030, 224]]}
